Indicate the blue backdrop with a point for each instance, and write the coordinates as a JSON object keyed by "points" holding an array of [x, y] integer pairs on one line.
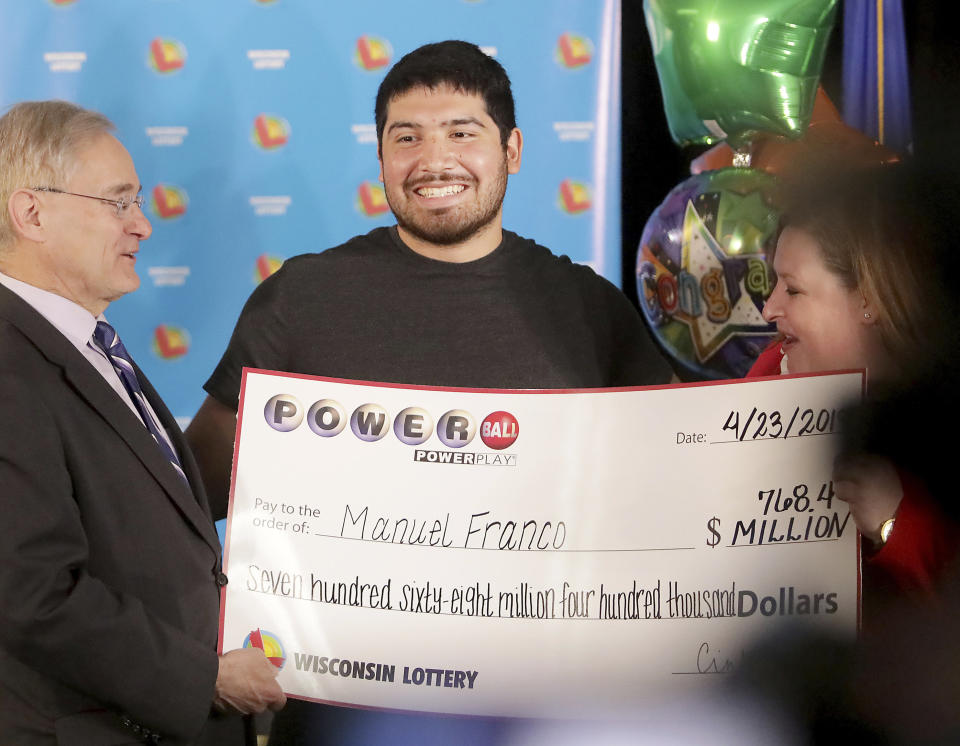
{"points": [[251, 126]]}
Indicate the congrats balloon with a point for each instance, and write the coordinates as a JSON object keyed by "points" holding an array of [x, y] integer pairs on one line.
{"points": [[730, 69], [702, 276]]}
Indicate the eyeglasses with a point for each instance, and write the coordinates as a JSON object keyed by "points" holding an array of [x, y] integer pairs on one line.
{"points": [[122, 205]]}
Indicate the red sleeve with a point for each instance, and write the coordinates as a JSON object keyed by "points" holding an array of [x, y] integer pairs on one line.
{"points": [[923, 542], [768, 364]]}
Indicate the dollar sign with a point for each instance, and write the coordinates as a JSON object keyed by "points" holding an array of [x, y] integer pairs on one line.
{"points": [[712, 527]]}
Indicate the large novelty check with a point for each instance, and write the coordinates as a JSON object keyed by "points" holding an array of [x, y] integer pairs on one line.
{"points": [[529, 553]]}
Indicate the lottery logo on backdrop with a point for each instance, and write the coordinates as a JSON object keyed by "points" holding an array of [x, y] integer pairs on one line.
{"points": [[65, 62], [168, 201], [268, 59], [371, 199], [269, 643], [61, 3], [169, 276], [372, 53], [270, 132], [265, 266], [166, 136], [270, 204], [573, 51], [170, 342], [574, 197], [412, 426], [166, 55]]}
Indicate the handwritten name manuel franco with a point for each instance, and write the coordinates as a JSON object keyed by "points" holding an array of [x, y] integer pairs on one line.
{"points": [[479, 531]]}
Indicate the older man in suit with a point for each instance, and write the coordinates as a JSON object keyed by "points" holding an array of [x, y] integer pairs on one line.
{"points": [[109, 561]]}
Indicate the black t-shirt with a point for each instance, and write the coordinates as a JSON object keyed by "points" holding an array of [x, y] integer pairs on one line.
{"points": [[372, 309]]}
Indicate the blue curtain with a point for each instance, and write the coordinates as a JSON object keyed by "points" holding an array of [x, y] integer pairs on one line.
{"points": [[876, 84]]}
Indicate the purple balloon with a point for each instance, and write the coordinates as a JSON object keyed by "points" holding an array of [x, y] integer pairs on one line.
{"points": [[702, 276]]}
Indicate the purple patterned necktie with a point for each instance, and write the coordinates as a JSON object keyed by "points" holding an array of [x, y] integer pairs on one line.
{"points": [[108, 340]]}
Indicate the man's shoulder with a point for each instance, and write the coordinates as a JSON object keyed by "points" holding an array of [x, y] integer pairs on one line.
{"points": [[555, 266], [333, 264], [12, 339], [21, 359], [23, 331], [375, 243], [529, 249]]}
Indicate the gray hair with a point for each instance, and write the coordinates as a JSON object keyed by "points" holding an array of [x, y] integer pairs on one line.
{"points": [[39, 141]]}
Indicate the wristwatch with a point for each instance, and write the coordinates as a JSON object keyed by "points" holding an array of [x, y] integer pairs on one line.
{"points": [[886, 529]]}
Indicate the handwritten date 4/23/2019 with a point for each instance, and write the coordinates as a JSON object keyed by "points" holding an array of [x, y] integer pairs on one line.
{"points": [[757, 424]]}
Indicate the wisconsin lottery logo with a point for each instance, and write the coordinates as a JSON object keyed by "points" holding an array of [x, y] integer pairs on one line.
{"points": [[412, 426], [574, 51], [168, 201], [170, 342], [269, 643], [270, 132], [371, 199], [372, 53], [265, 266], [574, 197], [166, 55]]}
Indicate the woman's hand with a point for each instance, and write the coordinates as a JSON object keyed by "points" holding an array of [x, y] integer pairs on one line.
{"points": [[871, 488]]}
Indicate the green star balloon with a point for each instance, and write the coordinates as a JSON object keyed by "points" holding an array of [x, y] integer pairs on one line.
{"points": [[730, 69]]}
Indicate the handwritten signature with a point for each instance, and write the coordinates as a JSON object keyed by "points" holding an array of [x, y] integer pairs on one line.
{"points": [[712, 663]]}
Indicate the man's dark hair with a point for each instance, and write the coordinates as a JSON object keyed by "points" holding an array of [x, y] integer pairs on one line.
{"points": [[458, 64]]}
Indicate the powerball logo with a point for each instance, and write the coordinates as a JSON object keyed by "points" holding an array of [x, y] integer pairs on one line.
{"points": [[412, 426], [371, 199], [166, 55], [270, 132], [574, 51], [170, 342], [168, 201], [372, 53]]}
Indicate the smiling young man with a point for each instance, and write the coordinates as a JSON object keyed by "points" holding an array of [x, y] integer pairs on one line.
{"points": [[111, 575], [446, 297], [444, 165]]}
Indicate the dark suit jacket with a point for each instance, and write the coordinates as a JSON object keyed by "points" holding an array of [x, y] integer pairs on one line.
{"points": [[109, 598]]}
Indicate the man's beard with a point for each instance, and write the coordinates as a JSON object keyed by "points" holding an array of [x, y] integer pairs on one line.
{"points": [[452, 225]]}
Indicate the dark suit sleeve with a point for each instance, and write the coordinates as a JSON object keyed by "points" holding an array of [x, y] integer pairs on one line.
{"points": [[56, 616]]}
